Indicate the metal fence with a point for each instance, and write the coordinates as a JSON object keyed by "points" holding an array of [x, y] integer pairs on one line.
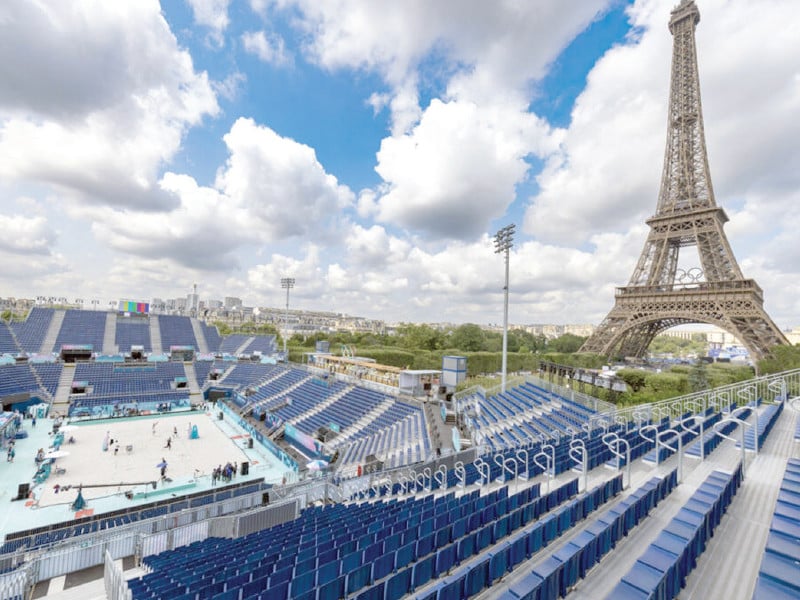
{"points": [[13, 585], [767, 388], [77, 553], [114, 580]]}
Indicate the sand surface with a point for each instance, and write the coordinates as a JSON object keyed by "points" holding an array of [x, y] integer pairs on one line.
{"points": [[141, 444]]}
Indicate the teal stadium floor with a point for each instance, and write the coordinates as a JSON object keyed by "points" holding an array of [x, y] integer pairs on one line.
{"points": [[127, 475]]}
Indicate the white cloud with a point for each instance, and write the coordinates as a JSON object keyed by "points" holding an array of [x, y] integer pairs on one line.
{"points": [[483, 41], [97, 97], [189, 234], [607, 175], [270, 189], [230, 88], [279, 183], [270, 49], [308, 272], [25, 235], [457, 170], [214, 15]]}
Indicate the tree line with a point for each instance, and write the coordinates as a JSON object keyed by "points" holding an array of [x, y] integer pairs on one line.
{"points": [[419, 346]]}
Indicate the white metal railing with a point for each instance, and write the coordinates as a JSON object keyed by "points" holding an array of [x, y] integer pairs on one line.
{"points": [[768, 388], [114, 580], [14, 585]]}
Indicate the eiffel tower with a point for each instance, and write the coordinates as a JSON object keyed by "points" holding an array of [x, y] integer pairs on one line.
{"points": [[661, 294]]}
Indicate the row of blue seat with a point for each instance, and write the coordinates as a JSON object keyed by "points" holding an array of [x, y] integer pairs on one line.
{"points": [[704, 447], [8, 343], [472, 578], [766, 420], [176, 330], [17, 379], [553, 576], [466, 523], [779, 575], [336, 531], [49, 375], [81, 327], [131, 333], [30, 333], [662, 570]]}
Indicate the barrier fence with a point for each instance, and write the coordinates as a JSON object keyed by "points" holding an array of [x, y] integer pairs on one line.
{"points": [[114, 580]]}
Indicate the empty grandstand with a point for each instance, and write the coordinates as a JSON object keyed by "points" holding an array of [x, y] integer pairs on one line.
{"points": [[82, 327], [8, 343], [31, 332], [131, 332]]}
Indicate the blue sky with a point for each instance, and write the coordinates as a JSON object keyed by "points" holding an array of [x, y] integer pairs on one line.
{"points": [[370, 149]]}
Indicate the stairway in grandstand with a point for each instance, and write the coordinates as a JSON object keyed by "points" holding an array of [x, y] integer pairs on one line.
{"points": [[356, 427], [729, 565], [191, 378], [439, 432], [155, 335], [200, 336], [61, 400], [110, 334], [284, 392], [318, 407], [241, 348], [52, 333], [747, 524]]}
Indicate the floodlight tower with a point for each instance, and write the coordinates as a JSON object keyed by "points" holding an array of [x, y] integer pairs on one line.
{"points": [[287, 283], [503, 242]]}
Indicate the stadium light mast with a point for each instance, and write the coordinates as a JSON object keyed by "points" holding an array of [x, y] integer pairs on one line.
{"points": [[503, 242], [287, 283]]}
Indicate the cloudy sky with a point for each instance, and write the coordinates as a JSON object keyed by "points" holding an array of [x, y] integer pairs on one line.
{"points": [[371, 148]]}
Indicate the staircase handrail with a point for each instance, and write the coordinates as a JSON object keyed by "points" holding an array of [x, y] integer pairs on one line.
{"points": [[613, 441]]}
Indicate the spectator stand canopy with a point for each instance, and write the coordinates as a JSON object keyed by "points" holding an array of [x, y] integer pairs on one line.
{"points": [[357, 368]]}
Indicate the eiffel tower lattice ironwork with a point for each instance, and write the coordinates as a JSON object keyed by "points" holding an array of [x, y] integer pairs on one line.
{"points": [[660, 294]]}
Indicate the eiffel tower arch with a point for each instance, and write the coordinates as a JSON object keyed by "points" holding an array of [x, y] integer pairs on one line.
{"points": [[661, 293]]}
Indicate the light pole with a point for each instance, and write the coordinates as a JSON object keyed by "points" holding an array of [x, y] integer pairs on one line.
{"points": [[287, 283], [503, 241]]}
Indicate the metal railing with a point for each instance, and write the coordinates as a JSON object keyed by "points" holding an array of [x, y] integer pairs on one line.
{"points": [[768, 388]]}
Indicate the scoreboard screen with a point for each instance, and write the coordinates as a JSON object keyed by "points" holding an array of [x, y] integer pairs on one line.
{"points": [[127, 306]]}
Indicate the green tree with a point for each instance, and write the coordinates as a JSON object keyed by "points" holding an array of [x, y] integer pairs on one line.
{"points": [[423, 337], [567, 343], [782, 358], [223, 328], [634, 378], [698, 377], [661, 386], [468, 338]]}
